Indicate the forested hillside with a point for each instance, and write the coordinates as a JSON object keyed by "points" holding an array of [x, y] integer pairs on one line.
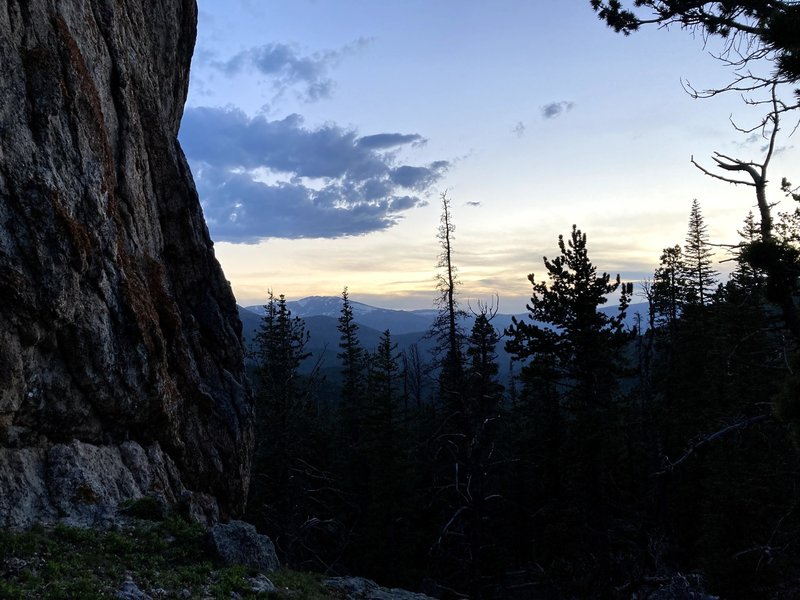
{"points": [[617, 460], [658, 460]]}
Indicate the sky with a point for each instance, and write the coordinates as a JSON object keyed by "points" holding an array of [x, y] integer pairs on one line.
{"points": [[322, 133]]}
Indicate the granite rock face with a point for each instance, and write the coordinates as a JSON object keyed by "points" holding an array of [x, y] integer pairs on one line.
{"points": [[121, 367]]}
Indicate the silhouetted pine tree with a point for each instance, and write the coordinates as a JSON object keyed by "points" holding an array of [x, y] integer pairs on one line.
{"points": [[747, 283], [351, 459], [352, 356], [290, 439], [385, 525], [670, 288], [577, 354], [700, 276]]}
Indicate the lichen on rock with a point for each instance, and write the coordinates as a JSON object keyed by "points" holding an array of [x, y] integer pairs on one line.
{"points": [[121, 366]]}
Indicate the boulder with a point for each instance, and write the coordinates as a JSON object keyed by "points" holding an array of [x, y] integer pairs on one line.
{"points": [[130, 591], [260, 584], [238, 543]]}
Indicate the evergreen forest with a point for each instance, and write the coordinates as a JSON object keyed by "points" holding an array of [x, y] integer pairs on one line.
{"points": [[615, 462], [659, 461]]}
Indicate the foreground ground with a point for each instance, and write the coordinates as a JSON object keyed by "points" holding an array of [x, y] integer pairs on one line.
{"points": [[135, 560]]}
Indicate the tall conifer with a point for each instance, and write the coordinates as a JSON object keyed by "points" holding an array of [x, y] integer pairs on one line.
{"points": [[697, 253], [351, 354], [669, 288]]}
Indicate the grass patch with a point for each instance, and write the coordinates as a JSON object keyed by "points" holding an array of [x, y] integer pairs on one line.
{"points": [[166, 559], [299, 585]]}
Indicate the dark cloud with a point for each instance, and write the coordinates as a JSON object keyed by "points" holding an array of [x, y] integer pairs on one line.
{"points": [[229, 138], [259, 178], [518, 129], [400, 203], [474, 203], [286, 66], [418, 178], [382, 141], [555, 109], [240, 209]]}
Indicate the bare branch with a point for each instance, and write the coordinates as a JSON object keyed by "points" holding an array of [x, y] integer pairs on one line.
{"points": [[704, 440], [488, 309], [720, 177], [734, 164]]}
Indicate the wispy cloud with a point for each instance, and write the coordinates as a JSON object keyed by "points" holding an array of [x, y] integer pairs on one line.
{"points": [[518, 129], [777, 151], [556, 109], [259, 178], [751, 139], [763, 146], [473, 203], [286, 66]]}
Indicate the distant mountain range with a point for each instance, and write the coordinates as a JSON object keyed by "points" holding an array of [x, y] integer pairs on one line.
{"points": [[396, 321], [320, 314]]}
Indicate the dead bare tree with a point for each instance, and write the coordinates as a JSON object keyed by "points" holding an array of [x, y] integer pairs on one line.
{"points": [[757, 171], [766, 253]]}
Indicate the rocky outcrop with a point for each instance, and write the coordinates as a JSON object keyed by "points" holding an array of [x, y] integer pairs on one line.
{"points": [[238, 543], [358, 588], [121, 368]]}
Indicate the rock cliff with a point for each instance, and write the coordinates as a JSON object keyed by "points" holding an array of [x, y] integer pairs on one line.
{"points": [[121, 368]]}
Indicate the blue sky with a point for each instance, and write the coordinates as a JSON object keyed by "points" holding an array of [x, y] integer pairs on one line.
{"points": [[321, 133]]}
